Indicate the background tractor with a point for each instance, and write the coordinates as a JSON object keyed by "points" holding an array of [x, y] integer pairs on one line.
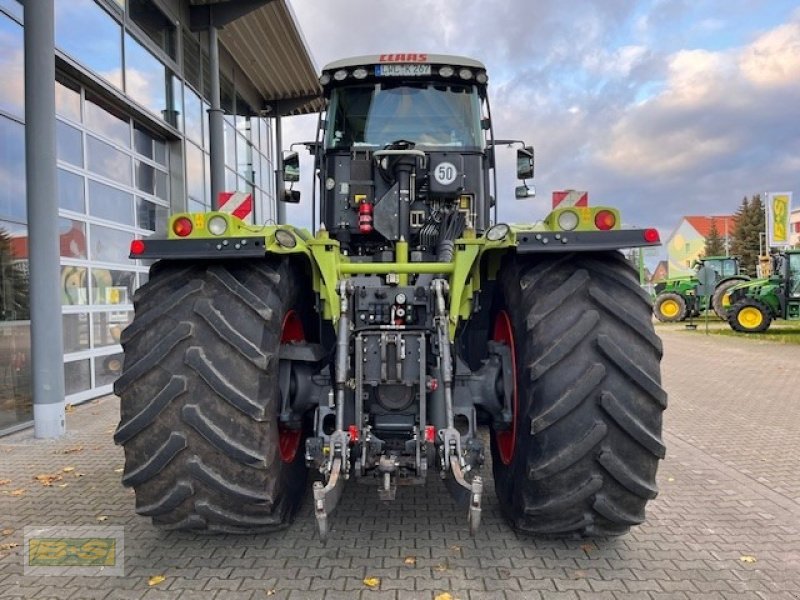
{"points": [[756, 303], [374, 348], [676, 297]]}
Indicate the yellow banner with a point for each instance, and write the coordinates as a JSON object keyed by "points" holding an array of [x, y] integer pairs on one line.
{"points": [[779, 207]]}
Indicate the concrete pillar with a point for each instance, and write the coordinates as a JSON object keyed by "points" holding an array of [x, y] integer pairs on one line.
{"points": [[47, 348], [216, 127]]}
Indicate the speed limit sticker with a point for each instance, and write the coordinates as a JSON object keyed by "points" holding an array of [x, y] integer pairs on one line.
{"points": [[445, 173]]}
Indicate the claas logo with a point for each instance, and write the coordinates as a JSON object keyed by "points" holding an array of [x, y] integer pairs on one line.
{"points": [[390, 58]]}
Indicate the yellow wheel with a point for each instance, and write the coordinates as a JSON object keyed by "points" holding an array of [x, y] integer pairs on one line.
{"points": [[670, 308], [750, 317]]}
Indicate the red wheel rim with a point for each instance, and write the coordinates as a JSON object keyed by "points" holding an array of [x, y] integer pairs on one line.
{"points": [[506, 440], [289, 439]]}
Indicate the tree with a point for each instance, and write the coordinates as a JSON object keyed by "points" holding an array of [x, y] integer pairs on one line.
{"points": [[715, 245], [746, 238]]}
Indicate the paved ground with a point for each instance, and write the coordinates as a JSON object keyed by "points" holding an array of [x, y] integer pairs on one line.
{"points": [[730, 488]]}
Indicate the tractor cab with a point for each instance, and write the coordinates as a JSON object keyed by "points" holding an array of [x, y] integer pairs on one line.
{"points": [[723, 266]]}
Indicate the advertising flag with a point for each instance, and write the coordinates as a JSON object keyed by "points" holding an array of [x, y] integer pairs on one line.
{"points": [[779, 206]]}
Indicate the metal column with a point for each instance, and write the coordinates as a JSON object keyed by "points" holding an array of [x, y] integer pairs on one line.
{"points": [[47, 349], [280, 205], [215, 122]]}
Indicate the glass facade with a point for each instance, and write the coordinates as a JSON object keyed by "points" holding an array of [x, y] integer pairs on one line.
{"points": [[119, 175]]}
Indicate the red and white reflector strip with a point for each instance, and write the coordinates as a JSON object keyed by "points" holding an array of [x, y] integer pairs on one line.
{"points": [[238, 204], [567, 198]]}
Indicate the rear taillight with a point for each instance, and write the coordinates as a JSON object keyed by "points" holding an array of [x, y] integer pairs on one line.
{"points": [[182, 226], [137, 247], [605, 220]]}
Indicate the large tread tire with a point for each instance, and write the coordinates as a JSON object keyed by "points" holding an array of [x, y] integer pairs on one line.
{"points": [[717, 301], [590, 401], [739, 316], [664, 299], [200, 400]]}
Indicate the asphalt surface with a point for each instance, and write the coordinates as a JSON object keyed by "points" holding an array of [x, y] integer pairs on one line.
{"points": [[726, 523]]}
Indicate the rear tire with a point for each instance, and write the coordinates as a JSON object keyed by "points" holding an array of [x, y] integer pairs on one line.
{"points": [[200, 398], [718, 300], [670, 307], [590, 402], [749, 316]]}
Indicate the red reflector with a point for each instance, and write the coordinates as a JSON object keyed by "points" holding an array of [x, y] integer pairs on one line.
{"points": [[605, 220], [651, 235], [182, 226], [430, 433], [137, 247], [353, 431]]}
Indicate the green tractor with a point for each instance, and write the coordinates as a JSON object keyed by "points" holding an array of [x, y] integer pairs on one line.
{"points": [[756, 303], [676, 297], [374, 348]]}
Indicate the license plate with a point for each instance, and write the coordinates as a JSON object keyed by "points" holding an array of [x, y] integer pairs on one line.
{"points": [[402, 70]]}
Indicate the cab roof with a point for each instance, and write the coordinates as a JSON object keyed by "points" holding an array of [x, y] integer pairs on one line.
{"points": [[405, 58]]}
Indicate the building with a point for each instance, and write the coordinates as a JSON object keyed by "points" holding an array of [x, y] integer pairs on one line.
{"points": [[687, 242], [794, 227], [661, 272], [133, 90]]}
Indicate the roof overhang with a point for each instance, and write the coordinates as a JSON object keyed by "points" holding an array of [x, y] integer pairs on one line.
{"points": [[265, 40]]}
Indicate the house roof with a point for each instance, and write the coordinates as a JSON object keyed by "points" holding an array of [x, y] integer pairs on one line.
{"points": [[725, 224]]}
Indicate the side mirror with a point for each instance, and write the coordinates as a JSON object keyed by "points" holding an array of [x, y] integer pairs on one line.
{"points": [[291, 167], [291, 196], [523, 191], [525, 162]]}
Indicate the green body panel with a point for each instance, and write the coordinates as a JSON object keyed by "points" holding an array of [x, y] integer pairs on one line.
{"points": [[765, 290]]}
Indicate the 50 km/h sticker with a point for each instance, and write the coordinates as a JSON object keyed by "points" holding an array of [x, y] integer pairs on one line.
{"points": [[445, 173]]}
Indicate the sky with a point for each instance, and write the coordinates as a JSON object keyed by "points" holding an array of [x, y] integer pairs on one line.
{"points": [[661, 108]]}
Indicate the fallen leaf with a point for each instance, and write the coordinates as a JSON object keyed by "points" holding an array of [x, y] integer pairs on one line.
{"points": [[372, 582], [670, 479], [588, 548], [747, 558], [6, 532], [63, 484], [440, 568], [68, 469], [444, 596], [18, 492], [102, 518], [68, 408], [73, 450], [271, 592], [47, 480], [78, 474], [8, 546], [579, 575], [5, 481], [155, 580], [455, 548], [120, 470], [410, 561]]}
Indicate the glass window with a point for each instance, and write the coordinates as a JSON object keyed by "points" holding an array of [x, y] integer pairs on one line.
{"points": [[74, 291], [13, 273], [76, 332], [15, 341], [107, 161], [113, 287], [77, 377], [12, 170], [69, 145], [102, 118], [194, 173], [12, 92], [244, 158], [231, 180], [109, 325], [68, 100], [145, 77], [158, 27], [191, 59], [109, 245], [151, 216], [150, 180], [230, 145], [206, 135], [90, 35], [110, 203], [13, 7], [107, 369], [160, 152], [193, 116], [72, 238], [70, 191]]}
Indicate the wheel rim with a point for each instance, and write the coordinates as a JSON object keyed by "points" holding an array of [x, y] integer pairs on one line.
{"points": [[506, 440], [289, 439], [750, 317], [670, 308]]}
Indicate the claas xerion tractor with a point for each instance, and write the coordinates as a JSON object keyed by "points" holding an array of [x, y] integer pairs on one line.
{"points": [[755, 304], [375, 348]]}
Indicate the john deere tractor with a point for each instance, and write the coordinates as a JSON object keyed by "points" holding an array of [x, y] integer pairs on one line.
{"points": [[374, 348], [756, 303], [676, 297]]}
